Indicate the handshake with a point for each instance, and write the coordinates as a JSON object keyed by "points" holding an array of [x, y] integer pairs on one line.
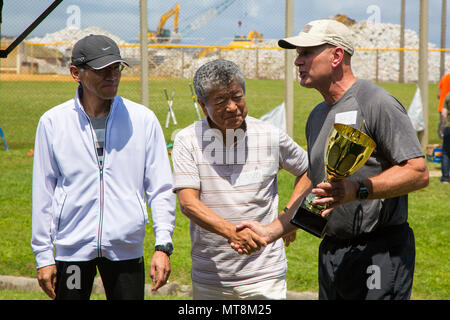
{"points": [[251, 236]]}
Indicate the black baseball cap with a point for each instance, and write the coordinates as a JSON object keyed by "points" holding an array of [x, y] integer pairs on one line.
{"points": [[97, 51]]}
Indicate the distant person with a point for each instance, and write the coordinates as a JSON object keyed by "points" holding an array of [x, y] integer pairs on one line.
{"points": [[445, 133], [96, 158], [443, 91], [368, 251], [225, 170]]}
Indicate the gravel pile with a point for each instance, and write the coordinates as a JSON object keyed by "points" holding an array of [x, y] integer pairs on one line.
{"points": [[269, 63], [387, 35], [72, 35]]}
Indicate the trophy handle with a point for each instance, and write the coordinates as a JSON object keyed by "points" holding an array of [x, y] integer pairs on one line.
{"points": [[309, 221]]}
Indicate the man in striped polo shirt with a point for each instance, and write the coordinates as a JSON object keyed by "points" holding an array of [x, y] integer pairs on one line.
{"points": [[225, 171]]}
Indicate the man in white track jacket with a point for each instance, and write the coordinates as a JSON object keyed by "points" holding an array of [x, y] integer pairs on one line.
{"points": [[97, 158]]}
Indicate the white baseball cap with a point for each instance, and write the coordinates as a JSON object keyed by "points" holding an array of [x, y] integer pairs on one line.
{"points": [[319, 32]]}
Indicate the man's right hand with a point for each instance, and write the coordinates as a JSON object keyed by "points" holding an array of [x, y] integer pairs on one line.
{"points": [[47, 279], [257, 230], [246, 241]]}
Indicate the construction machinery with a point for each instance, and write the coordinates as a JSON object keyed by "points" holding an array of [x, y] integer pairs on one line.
{"points": [[344, 19], [166, 35], [206, 17], [252, 38]]}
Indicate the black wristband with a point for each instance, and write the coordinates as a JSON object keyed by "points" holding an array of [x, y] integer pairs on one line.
{"points": [[285, 209]]}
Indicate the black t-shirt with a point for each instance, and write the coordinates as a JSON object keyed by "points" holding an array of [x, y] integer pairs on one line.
{"points": [[388, 124]]}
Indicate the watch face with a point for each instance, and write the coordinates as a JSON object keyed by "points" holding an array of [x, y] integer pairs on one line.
{"points": [[167, 248], [363, 193]]}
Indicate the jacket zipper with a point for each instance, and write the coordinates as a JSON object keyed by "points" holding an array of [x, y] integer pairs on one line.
{"points": [[100, 166], [100, 225]]}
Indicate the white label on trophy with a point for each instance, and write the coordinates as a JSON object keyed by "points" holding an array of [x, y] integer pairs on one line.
{"points": [[348, 117]]}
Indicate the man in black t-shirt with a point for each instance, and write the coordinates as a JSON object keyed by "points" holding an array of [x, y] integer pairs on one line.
{"points": [[368, 251]]}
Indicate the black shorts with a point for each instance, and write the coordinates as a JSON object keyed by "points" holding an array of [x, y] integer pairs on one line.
{"points": [[377, 266], [122, 280]]}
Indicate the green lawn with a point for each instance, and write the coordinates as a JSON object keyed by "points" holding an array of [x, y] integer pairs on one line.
{"points": [[40, 295], [22, 103]]}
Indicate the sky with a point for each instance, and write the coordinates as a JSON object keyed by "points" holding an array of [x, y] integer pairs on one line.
{"points": [[121, 17]]}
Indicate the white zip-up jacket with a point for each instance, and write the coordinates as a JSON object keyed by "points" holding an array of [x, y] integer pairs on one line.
{"points": [[83, 211]]}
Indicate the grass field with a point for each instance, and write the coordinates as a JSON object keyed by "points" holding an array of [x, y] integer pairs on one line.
{"points": [[22, 103]]}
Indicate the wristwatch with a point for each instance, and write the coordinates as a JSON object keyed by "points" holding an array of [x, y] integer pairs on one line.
{"points": [[166, 248], [362, 192]]}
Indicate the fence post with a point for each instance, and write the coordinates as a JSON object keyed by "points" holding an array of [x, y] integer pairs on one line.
{"points": [[182, 62], [144, 52], [257, 64], [32, 60], [19, 55], [401, 69], [423, 68], [443, 26], [288, 65], [376, 64]]}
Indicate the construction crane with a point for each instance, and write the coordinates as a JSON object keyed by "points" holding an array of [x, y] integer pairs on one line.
{"points": [[165, 35], [206, 17]]}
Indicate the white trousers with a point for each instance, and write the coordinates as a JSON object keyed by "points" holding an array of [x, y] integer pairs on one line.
{"points": [[272, 289]]}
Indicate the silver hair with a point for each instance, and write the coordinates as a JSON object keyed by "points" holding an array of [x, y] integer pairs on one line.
{"points": [[216, 74]]}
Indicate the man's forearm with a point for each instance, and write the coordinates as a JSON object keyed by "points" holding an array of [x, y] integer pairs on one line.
{"points": [[204, 217], [282, 226], [399, 180], [302, 184]]}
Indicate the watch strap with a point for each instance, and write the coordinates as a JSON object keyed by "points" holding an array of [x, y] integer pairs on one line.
{"points": [[363, 192], [167, 248]]}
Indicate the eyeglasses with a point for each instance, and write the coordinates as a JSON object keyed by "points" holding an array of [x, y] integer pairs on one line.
{"points": [[114, 69]]}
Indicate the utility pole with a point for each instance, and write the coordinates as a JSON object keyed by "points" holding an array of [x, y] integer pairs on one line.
{"points": [[443, 27], [401, 75], [288, 66], [144, 51], [423, 68]]}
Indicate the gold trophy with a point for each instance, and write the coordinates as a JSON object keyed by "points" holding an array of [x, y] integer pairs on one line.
{"points": [[348, 149]]}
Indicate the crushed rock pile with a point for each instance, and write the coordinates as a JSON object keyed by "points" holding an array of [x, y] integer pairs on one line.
{"points": [[269, 63], [386, 35]]}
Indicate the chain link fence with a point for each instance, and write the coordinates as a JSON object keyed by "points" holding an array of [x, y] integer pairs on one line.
{"points": [[185, 34]]}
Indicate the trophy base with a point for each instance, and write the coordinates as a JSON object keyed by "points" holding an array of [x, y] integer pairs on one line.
{"points": [[310, 222]]}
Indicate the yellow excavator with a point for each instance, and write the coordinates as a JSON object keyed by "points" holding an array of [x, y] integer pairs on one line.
{"points": [[252, 38], [344, 19], [165, 35]]}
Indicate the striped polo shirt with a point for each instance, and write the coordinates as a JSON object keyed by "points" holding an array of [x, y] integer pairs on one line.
{"points": [[238, 181]]}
